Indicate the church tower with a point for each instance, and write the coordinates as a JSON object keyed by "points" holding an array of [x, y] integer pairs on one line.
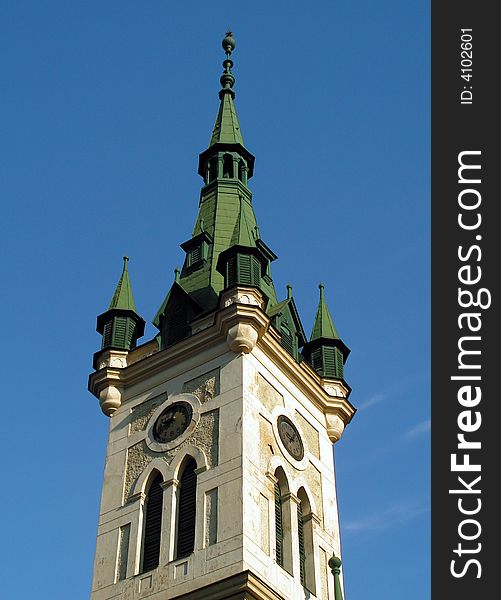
{"points": [[219, 479]]}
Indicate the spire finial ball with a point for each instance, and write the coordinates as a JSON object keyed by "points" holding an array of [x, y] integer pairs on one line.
{"points": [[229, 43], [334, 562]]}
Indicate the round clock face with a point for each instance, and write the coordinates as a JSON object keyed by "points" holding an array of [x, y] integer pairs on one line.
{"points": [[290, 437], [173, 421]]}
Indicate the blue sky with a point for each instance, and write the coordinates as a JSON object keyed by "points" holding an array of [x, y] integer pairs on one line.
{"points": [[105, 107]]}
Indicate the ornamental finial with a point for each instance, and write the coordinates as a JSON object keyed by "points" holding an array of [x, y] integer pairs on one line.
{"points": [[227, 80], [229, 43]]}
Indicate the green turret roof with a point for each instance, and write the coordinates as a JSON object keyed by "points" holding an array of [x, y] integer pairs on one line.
{"points": [[324, 325], [227, 128], [120, 325], [123, 298]]}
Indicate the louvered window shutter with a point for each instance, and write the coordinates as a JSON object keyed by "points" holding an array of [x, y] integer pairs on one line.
{"points": [[107, 334], [287, 340], [177, 326], [316, 359], [244, 268], [231, 271], [195, 255], [187, 511], [256, 271], [339, 363], [302, 554], [279, 533], [153, 525]]}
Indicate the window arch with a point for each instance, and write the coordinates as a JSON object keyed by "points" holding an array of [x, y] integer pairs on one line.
{"points": [[186, 509], [152, 523]]}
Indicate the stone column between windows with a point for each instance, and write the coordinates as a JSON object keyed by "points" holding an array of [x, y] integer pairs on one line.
{"points": [[136, 535], [169, 514], [315, 522], [294, 502], [272, 480]]}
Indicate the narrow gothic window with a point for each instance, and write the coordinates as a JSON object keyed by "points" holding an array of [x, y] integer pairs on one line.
{"points": [[228, 166], [153, 525], [186, 510], [213, 169], [283, 521]]}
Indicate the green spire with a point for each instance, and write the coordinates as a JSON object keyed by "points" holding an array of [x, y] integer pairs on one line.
{"points": [[324, 326], [227, 128], [325, 351], [123, 298], [225, 248], [120, 325]]}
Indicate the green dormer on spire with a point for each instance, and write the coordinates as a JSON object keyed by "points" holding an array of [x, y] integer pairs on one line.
{"points": [[120, 325], [325, 351]]}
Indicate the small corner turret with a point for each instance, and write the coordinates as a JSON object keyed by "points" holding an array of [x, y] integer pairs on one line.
{"points": [[120, 325], [325, 351]]}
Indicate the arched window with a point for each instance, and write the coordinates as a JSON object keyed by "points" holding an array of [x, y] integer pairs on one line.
{"points": [[186, 511], [212, 169], [153, 524], [283, 545], [228, 166], [305, 542]]}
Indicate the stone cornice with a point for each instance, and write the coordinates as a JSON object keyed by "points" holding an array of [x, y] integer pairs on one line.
{"points": [[244, 326], [243, 586]]}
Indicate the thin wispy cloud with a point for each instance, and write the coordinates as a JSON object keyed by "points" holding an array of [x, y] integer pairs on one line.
{"points": [[376, 399], [419, 429], [391, 517]]}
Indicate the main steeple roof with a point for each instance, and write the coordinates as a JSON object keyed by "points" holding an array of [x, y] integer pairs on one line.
{"points": [[226, 218]]}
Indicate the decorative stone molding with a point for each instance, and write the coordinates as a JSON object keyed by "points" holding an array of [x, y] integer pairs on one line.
{"points": [[244, 327], [335, 427], [141, 496], [242, 337], [292, 497], [112, 358], [170, 482], [110, 400], [335, 388]]}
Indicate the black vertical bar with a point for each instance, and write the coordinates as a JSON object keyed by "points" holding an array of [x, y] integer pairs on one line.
{"points": [[465, 247]]}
